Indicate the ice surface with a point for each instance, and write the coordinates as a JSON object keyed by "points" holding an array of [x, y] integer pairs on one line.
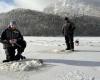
{"points": [[82, 64]]}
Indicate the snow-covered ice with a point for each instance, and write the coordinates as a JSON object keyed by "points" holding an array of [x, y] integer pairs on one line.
{"points": [[24, 65], [82, 64]]}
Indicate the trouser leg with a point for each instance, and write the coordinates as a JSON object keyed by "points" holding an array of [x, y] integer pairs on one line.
{"points": [[20, 50], [71, 43], [67, 42], [10, 53]]}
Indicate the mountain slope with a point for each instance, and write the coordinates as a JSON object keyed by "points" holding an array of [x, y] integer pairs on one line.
{"points": [[33, 22]]}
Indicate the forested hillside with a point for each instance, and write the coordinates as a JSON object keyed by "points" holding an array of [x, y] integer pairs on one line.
{"points": [[33, 23]]}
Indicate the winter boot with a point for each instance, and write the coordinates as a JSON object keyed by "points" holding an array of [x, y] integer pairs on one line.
{"points": [[5, 61], [22, 57]]}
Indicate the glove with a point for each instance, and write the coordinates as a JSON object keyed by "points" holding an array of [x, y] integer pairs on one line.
{"points": [[12, 41]]}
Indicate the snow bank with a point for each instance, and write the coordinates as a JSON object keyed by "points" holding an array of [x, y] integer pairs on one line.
{"points": [[25, 65], [77, 75]]}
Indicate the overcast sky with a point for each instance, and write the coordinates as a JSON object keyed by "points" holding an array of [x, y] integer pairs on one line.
{"points": [[6, 5]]}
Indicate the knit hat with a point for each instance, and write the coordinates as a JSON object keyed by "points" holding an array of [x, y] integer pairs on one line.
{"points": [[13, 22]]}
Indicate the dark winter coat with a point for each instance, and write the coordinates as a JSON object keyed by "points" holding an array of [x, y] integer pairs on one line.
{"points": [[9, 34], [68, 29]]}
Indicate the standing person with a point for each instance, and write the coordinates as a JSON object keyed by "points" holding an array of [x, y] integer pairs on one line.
{"points": [[12, 39], [68, 31]]}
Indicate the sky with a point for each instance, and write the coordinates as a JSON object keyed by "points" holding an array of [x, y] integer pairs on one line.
{"points": [[92, 2], [39, 5]]}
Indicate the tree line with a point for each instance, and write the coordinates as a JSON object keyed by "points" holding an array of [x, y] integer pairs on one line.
{"points": [[33, 23]]}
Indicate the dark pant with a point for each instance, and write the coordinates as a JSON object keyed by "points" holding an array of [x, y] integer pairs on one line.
{"points": [[69, 42], [10, 51]]}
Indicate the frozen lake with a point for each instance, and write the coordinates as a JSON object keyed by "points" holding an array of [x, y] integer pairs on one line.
{"points": [[83, 64]]}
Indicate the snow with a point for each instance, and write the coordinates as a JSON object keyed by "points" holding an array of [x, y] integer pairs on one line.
{"points": [[25, 65], [82, 64]]}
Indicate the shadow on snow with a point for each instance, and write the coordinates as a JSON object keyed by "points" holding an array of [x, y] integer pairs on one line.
{"points": [[73, 62]]}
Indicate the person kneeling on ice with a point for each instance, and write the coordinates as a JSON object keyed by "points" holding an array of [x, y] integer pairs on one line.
{"points": [[68, 31], [12, 39]]}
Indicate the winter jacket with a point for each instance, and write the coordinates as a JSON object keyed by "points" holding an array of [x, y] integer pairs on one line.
{"points": [[68, 29], [9, 34]]}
